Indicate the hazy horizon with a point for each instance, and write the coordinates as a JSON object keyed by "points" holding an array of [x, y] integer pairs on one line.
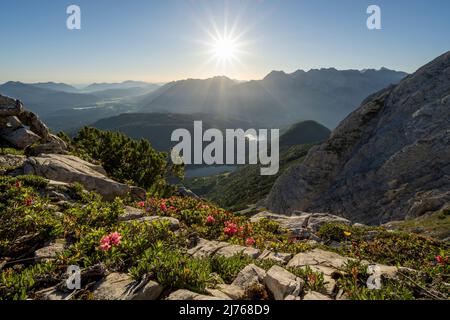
{"points": [[81, 85], [159, 42]]}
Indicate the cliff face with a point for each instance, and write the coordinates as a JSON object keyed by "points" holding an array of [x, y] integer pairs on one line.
{"points": [[390, 159]]}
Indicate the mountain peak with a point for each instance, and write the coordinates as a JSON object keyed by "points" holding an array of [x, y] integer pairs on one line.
{"points": [[388, 155], [275, 74]]}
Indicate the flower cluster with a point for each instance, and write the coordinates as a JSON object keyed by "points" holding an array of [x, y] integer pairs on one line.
{"points": [[231, 228], [163, 206], [250, 241], [141, 204], [28, 201], [107, 242], [441, 260]]}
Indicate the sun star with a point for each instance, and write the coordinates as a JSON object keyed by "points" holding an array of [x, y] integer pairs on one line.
{"points": [[225, 48]]}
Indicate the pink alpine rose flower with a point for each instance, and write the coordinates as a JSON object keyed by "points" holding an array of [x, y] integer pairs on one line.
{"points": [[104, 247], [210, 219], [107, 242], [28, 201], [230, 228], [115, 238], [250, 241], [141, 204]]}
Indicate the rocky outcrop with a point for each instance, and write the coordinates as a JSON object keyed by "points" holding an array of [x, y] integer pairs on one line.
{"points": [[282, 283], [206, 248], [22, 129], [70, 169], [249, 276], [183, 294], [387, 160], [301, 222], [120, 286], [50, 251]]}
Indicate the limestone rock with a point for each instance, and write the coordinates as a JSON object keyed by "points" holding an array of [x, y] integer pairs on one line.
{"points": [[150, 291], [70, 169], [294, 223], [386, 161], [120, 286], [301, 222], [113, 287], [10, 162], [326, 262], [232, 291], [19, 137], [10, 107], [318, 257], [231, 250], [316, 220], [280, 257], [184, 192], [206, 248], [53, 145], [131, 213], [312, 295], [183, 294], [50, 250], [292, 297], [282, 283], [249, 276], [53, 293], [24, 130]]}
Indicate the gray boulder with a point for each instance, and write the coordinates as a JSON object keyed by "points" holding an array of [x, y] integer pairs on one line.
{"points": [[183, 294], [24, 130], [300, 222], [70, 169], [19, 137], [207, 248], [282, 283], [120, 286], [50, 251], [250, 275]]}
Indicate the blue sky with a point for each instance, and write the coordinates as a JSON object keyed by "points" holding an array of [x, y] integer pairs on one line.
{"points": [[166, 40]]}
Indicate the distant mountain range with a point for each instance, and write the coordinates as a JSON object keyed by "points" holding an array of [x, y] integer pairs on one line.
{"points": [[50, 97], [325, 95], [56, 86], [123, 85], [44, 100], [280, 99]]}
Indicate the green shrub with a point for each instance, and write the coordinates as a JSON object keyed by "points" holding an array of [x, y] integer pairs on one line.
{"points": [[13, 151], [228, 268], [33, 181], [24, 217], [313, 280], [17, 283], [355, 287], [337, 232], [173, 269], [125, 159]]}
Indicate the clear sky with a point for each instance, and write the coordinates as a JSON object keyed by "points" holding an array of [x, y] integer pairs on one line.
{"points": [[166, 40]]}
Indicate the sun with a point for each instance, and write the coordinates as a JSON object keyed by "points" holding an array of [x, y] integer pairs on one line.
{"points": [[225, 48]]}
